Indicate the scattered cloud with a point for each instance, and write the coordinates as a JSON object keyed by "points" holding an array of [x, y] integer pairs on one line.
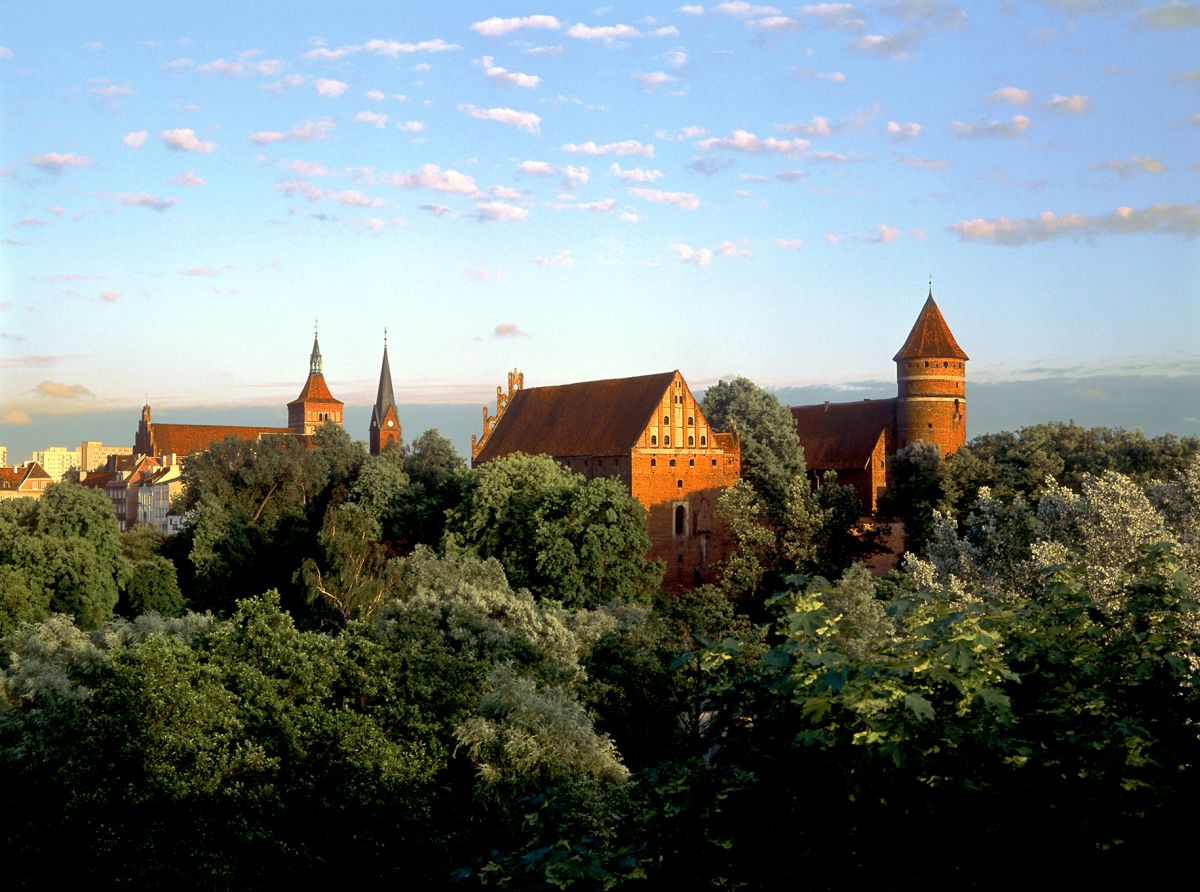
{"points": [[508, 330], [498, 75], [1011, 95], [185, 140], [1076, 104], [984, 129], [330, 89], [679, 135], [368, 117], [562, 258], [432, 177], [506, 193], [499, 210], [438, 210], [610, 33], [536, 168], [624, 147], [790, 176], [696, 256], [882, 235], [56, 162], [1158, 219], [653, 80], [395, 48], [900, 132], [354, 198], [744, 141], [203, 272], [238, 67], [499, 27], [314, 130], [744, 10], [817, 126], [110, 296], [896, 46], [809, 75], [574, 177], [145, 200], [527, 121], [410, 126], [58, 391], [309, 169], [17, 417], [5, 52], [634, 174], [730, 249], [189, 178], [111, 92], [135, 138], [790, 244], [1175, 14], [683, 200], [923, 163], [1133, 165], [837, 16], [377, 95], [676, 58], [603, 206], [691, 9]]}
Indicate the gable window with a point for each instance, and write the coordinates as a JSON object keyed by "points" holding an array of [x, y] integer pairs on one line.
{"points": [[703, 440], [653, 440], [691, 420]]}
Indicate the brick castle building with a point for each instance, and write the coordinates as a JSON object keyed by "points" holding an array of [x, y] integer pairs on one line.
{"points": [[650, 433], [855, 439]]}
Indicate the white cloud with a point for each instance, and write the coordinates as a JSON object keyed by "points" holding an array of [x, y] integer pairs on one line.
{"points": [[729, 249], [691, 9], [777, 23], [790, 244], [1158, 219], [506, 193], [600, 207], [377, 95], [498, 210], [688, 254], [839, 16], [292, 188], [817, 126], [923, 163], [395, 48], [682, 200], [676, 58], [508, 330], [177, 64], [17, 417], [58, 391], [1011, 95], [900, 132], [1076, 104], [634, 174], [742, 9], [185, 140], [1175, 14], [562, 258], [330, 89], [243, 65], [200, 272], [145, 200], [135, 138], [438, 210], [555, 50], [536, 168], [5, 52], [329, 55], [111, 92], [310, 131], [685, 133], [432, 177], [893, 47], [410, 126], [56, 162], [354, 198], [110, 297], [808, 74], [1006, 129], [652, 80], [605, 33], [309, 169], [625, 147], [423, 68], [527, 121], [189, 179], [367, 117], [498, 75], [790, 176], [574, 177], [1128, 168], [498, 27], [744, 141], [483, 274]]}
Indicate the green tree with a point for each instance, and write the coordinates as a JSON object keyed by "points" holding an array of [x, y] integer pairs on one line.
{"points": [[914, 492], [771, 451], [154, 588]]}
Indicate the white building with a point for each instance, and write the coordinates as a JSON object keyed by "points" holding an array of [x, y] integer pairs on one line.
{"points": [[56, 460]]}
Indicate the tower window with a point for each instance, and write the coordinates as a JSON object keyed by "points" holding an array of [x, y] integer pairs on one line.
{"points": [[671, 463], [714, 462], [680, 520], [654, 462], [691, 441], [703, 440], [945, 365], [666, 441], [666, 419], [691, 463], [653, 440], [691, 420], [679, 484]]}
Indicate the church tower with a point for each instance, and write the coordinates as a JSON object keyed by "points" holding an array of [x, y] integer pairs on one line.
{"points": [[385, 420], [931, 376], [315, 405]]}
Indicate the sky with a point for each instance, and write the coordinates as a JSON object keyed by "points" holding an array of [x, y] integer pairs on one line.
{"points": [[587, 192]]}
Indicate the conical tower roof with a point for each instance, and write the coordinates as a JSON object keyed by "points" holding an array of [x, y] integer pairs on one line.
{"points": [[930, 336], [384, 398]]}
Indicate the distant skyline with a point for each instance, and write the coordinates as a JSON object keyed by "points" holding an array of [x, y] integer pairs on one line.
{"points": [[590, 192]]}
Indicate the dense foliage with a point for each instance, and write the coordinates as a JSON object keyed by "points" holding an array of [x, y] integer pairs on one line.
{"points": [[412, 672]]}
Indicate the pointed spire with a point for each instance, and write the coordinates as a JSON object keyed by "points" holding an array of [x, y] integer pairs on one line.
{"points": [[384, 398], [930, 336], [315, 366]]}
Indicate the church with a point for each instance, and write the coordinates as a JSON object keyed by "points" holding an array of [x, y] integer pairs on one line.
{"points": [[314, 407]]}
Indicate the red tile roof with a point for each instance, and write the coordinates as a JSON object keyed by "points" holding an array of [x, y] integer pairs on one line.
{"points": [[841, 436], [589, 418], [10, 478], [184, 439], [315, 391], [930, 337]]}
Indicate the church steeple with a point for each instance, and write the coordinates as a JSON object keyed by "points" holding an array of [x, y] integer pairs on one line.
{"points": [[931, 378], [385, 419], [315, 405]]}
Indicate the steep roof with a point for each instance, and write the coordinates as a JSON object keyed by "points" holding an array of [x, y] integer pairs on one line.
{"points": [[315, 391], [184, 439], [384, 399], [589, 418], [10, 478], [930, 336], [839, 436]]}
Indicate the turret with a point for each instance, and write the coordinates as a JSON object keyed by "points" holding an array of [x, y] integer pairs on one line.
{"points": [[385, 419], [931, 381], [315, 405]]}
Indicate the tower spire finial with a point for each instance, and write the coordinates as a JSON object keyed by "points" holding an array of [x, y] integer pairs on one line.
{"points": [[931, 284], [385, 337]]}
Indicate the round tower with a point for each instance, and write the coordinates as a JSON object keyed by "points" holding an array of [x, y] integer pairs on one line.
{"points": [[931, 378]]}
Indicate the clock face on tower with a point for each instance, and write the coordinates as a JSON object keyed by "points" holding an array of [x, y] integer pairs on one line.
{"points": [[391, 423]]}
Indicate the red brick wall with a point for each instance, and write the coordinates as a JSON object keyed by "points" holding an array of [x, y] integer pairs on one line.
{"points": [[932, 403]]}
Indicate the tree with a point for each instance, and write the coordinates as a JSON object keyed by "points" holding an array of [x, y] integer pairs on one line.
{"points": [[154, 588], [771, 451], [914, 491]]}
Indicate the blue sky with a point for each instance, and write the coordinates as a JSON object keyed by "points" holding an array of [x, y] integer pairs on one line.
{"points": [[586, 192]]}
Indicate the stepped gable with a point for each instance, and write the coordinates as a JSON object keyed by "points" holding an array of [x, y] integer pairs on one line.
{"points": [[930, 336], [838, 436], [594, 418]]}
